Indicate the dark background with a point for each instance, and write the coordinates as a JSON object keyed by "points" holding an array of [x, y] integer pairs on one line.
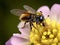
{"points": [[9, 22]]}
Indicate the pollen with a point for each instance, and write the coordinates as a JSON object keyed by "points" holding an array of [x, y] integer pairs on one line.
{"points": [[51, 36], [45, 35]]}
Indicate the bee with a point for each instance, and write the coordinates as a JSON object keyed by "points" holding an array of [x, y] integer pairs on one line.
{"points": [[29, 15]]}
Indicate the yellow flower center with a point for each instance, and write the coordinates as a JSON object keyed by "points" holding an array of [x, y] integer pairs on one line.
{"points": [[45, 35]]}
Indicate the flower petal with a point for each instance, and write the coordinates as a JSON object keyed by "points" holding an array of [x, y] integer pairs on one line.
{"points": [[45, 10], [21, 35], [21, 24], [8, 42], [55, 12], [17, 41], [25, 30]]}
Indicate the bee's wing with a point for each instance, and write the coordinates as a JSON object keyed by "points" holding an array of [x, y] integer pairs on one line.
{"points": [[29, 9], [17, 12]]}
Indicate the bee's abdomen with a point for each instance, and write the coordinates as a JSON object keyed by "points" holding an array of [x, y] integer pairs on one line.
{"points": [[26, 18]]}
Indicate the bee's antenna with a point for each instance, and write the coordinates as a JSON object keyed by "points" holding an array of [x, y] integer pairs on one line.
{"points": [[41, 11], [48, 15]]}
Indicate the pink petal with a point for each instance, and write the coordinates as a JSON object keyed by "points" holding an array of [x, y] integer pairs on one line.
{"points": [[8, 42], [21, 24], [21, 35], [45, 10], [55, 12], [25, 30], [17, 41]]}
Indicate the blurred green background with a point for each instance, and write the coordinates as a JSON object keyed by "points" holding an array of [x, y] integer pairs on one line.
{"points": [[9, 22]]}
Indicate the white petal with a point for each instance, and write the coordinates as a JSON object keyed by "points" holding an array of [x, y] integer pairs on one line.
{"points": [[21, 24], [25, 30], [17, 41], [55, 12], [21, 35], [45, 10]]}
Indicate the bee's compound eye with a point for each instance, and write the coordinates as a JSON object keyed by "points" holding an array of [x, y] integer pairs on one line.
{"points": [[41, 18]]}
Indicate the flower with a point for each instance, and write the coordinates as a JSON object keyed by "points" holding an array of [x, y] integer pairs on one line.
{"points": [[20, 39], [50, 33], [43, 35]]}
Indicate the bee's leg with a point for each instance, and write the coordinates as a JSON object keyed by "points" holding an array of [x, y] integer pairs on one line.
{"points": [[43, 24], [30, 25], [34, 26]]}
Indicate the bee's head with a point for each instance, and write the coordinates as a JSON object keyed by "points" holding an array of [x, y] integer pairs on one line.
{"points": [[39, 13]]}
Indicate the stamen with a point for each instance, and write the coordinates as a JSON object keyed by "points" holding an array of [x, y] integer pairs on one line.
{"points": [[45, 35]]}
